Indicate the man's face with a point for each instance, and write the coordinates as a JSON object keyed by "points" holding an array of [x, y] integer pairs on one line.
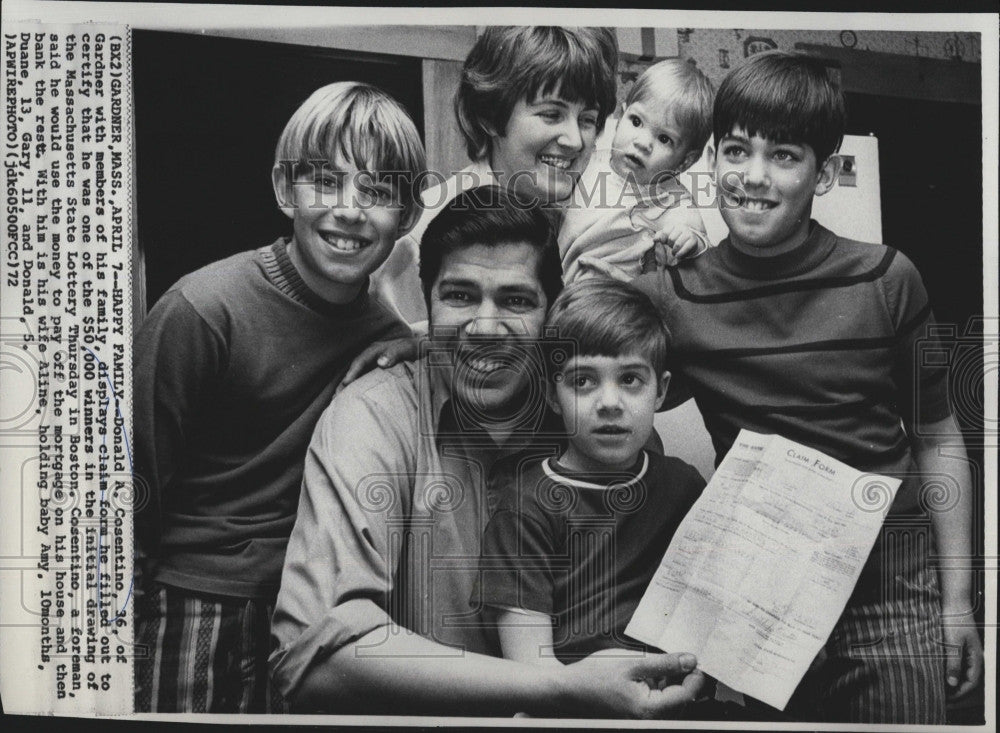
{"points": [[486, 304], [766, 191]]}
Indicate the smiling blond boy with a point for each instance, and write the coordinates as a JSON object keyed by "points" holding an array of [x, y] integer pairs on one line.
{"points": [[233, 366]]}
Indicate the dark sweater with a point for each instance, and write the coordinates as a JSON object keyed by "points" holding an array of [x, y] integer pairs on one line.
{"points": [[581, 548], [233, 367], [820, 345]]}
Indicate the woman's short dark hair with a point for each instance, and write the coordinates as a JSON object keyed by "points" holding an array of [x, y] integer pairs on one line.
{"points": [[490, 216], [510, 63], [783, 97]]}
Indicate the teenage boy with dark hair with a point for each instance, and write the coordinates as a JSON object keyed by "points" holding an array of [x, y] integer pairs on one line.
{"points": [[787, 328]]}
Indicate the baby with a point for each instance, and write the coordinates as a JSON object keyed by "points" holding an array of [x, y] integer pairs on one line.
{"points": [[632, 190]]}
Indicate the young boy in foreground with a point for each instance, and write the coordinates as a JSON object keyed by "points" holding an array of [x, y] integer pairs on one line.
{"points": [[787, 328], [579, 537], [631, 191], [233, 367]]}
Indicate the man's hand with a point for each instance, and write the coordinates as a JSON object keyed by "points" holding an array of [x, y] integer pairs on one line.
{"points": [[648, 687], [384, 354], [964, 666]]}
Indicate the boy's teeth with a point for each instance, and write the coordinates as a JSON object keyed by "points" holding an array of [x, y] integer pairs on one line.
{"points": [[561, 163], [345, 245], [757, 205]]}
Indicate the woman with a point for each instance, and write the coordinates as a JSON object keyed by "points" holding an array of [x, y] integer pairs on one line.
{"points": [[530, 104]]}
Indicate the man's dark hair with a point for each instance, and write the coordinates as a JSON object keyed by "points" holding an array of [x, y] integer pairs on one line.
{"points": [[490, 216], [783, 97]]}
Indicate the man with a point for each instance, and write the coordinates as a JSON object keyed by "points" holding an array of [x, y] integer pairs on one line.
{"points": [[373, 613]]}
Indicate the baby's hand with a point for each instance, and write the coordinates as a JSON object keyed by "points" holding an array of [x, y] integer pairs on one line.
{"points": [[681, 241]]}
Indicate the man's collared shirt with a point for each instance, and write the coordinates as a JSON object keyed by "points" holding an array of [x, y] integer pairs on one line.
{"points": [[390, 520]]}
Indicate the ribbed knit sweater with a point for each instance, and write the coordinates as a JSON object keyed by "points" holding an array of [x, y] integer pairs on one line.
{"points": [[233, 367], [820, 345]]}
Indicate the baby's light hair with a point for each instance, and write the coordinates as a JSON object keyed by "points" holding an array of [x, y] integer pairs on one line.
{"points": [[688, 92], [363, 126], [605, 317]]}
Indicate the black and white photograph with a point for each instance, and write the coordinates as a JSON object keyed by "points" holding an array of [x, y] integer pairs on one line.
{"points": [[469, 366]]}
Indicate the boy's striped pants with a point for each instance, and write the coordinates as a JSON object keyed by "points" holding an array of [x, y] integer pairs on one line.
{"points": [[886, 655], [203, 654]]}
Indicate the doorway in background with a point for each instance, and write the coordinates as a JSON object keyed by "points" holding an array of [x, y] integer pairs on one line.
{"points": [[931, 166], [208, 114]]}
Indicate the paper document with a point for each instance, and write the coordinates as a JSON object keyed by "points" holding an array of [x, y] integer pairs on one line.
{"points": [[762, 566]]}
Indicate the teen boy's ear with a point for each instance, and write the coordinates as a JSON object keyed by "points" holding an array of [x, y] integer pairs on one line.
{"points": [[828, 174], [281, 182], [408, 222]]}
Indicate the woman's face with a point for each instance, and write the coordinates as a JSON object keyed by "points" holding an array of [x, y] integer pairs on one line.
{"points": [[547, 145]]}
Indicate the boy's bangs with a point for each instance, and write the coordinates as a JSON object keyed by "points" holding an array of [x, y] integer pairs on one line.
{"points": [[778, 120], [602, 317], [605, 336], [793, 106], [362, 135], [600, 332]]}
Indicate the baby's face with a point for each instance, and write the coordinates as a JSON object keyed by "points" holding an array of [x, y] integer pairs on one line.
{"points": [[649, 145]]}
